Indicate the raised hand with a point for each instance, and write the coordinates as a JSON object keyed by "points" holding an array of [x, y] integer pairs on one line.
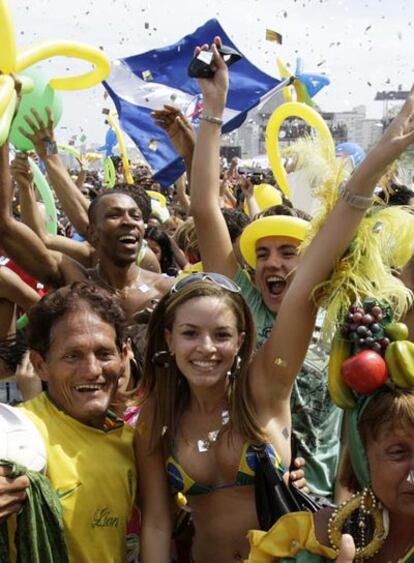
{"points": [[21, 171], [178, 128], [214, 89], [246, 186], [42, 135], [400, 133], [28, 381]]}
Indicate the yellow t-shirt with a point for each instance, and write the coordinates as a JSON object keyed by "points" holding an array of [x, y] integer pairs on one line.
{"points": [[93, 471]]}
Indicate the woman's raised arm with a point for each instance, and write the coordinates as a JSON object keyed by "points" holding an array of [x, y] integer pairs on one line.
{"points": [[279, 360]]}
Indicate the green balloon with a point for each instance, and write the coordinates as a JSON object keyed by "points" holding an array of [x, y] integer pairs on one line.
{"points": [[22, 322], [46, 193], [109, 173], [41, 96]]}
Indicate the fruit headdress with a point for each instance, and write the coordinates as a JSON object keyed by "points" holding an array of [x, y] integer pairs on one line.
{"points": [[369, 353], [363, 300]]}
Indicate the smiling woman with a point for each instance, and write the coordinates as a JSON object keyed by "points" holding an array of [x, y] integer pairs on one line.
{"points": [[209, 400]]}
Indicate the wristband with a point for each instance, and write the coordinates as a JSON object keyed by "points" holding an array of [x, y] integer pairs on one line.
{"points": [[50, 147], [354, 200], [212, 119]]}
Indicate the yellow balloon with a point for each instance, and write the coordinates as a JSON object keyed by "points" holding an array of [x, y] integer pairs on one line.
{"points": [[158, 196], [6, 91], [8, 40], [311, 117], [8, 103], [191, 269], [6, 118], [113, 122], [300, 90], [37, 52], [93, 156], [284, 73], [88, 156], [13, 61], [265, 196]]}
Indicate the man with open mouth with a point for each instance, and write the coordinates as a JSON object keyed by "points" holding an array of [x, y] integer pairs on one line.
{"points": [[77, 346], [115, 231]]}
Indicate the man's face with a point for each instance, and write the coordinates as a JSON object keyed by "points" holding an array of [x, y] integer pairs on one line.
{"points": [[82, 366], [118, 228], [276, 258]]}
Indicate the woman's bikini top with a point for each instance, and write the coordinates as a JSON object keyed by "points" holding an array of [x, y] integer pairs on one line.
{"points": [[181, 482]]}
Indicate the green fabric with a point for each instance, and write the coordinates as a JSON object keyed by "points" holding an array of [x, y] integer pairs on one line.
{"points": [[39, 534], [356, 448], [316, 421], [263, 318]]}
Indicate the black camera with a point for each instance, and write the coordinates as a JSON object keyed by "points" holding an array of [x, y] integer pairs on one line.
{"points": [[201, 65]]}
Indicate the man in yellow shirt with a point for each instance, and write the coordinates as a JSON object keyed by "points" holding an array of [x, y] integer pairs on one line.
{"points": [[77, 348]]}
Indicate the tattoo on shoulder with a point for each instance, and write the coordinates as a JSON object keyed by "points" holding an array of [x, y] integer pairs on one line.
{"points": [[285, 433]]}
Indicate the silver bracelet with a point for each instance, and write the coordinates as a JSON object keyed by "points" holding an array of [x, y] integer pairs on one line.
{"points": [[211, 119], [354, 200]]}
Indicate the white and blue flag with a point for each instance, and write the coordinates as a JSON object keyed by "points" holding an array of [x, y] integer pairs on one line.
{"points": [[143, 83]]}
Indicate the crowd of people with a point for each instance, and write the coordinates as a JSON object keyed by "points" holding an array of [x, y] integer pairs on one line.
{"points": [[165, 355]]}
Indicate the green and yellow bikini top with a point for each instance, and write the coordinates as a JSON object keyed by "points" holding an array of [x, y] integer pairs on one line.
{"points": [[181, 482]]}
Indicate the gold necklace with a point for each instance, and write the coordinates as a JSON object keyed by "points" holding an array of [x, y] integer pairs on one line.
{"points": [[366, 508]]}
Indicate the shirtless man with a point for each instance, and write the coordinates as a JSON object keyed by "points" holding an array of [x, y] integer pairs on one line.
{"points": [[74, 203], [115, 229]]}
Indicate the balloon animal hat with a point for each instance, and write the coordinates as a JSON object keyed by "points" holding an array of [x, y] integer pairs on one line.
{"points": [[13, 61], [280, 225]]}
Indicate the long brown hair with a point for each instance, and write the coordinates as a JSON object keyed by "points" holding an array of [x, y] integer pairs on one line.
{"points": [[169, 389]]}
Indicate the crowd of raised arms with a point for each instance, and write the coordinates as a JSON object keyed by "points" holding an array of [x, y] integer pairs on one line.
{"points": [[186, 369]]}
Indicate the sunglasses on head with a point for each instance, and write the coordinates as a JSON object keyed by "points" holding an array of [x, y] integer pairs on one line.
{"points": [[218, 279]]}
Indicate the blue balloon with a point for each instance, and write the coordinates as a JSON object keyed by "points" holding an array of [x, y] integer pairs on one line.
{"points": [[354, 151], [299, 66], [110, 142], [313, 82], [110, 138]]}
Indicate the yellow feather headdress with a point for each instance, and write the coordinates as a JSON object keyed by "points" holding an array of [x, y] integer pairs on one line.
{"points": [[383, 244]]}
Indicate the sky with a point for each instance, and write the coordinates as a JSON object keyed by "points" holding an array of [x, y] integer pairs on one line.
{"points": [[362, 45]]}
